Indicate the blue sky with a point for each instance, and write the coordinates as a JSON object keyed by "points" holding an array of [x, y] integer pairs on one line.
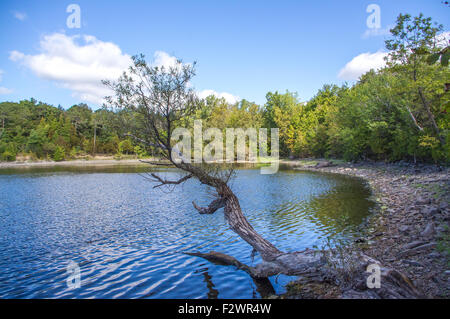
{"points": [[244, 49]]}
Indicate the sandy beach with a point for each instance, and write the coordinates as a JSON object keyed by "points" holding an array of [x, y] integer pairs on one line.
{"points": [[81, 163]]}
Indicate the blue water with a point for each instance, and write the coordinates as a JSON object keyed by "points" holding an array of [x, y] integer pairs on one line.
{"points": [[128, 238]]}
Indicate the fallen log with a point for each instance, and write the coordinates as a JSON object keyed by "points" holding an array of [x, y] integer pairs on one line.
{"points": [[323, 164]]}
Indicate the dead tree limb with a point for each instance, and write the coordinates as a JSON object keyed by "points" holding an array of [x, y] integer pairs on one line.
{"points": [[167, 182], [414, 119], [212, 208]]}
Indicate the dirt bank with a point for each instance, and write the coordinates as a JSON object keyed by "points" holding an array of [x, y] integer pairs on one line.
{"points": [[410, 230]]}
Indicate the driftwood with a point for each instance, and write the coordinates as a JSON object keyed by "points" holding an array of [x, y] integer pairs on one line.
{"points": [[323, 164], [315, 269]]}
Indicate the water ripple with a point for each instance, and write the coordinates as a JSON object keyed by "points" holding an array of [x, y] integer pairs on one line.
{"points": [[129, 238]]}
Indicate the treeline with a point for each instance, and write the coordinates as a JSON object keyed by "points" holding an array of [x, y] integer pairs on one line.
{"points": [[35, 130], [400, 112]]}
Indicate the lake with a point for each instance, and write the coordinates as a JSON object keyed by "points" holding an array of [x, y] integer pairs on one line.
{"points": [[128, 238]]}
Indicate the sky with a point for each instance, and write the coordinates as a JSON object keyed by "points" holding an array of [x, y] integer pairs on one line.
{"points": [[243, 49]]}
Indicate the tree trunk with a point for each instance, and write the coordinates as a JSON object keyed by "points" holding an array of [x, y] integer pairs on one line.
{"points": [[95, 138], [431, 116], [240, 225], [310, 265]]}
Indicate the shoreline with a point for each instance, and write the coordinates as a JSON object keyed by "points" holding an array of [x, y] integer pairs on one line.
{"points": [[409, 231], [77, 162]]}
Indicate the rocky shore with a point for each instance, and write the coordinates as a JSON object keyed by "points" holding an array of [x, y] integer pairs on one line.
{"points": [[409, 232]]}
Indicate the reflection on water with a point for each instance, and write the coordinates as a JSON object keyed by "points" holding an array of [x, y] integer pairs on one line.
{"points": [[212, 292], [128, 238]]}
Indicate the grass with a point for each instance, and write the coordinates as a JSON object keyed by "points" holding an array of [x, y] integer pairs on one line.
{"points": [[340, 259], [443, 243], [437, 190]]}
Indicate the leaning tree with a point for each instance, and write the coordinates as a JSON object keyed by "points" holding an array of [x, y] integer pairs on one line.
{"points": [[162, 96]]}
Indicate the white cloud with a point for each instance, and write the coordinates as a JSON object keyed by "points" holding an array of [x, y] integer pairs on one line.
{"points": [[78, 63], [443, 39], [230, 98], [20, 15], [367, 61], [361, 64], [4, 90], [161, 58], [16, 56]]}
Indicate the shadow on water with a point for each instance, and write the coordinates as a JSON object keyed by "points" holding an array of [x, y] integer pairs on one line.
{"points": [[264, 287], [212, 292]]}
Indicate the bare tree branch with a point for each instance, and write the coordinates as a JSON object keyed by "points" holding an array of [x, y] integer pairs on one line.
{"points": [[167, 182], [161, 146], [414, 119], [212, 208]]}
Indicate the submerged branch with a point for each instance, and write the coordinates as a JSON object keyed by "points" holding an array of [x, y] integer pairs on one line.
{"points": [[263, 284], [223, 259], [312, 267]]}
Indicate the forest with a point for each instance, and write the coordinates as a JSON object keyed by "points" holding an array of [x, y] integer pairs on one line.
{"points": [[400, 112]]}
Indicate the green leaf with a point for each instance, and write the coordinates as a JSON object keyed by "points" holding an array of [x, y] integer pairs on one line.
{"points": [[433, 58], [444, 58], [421, 51]]}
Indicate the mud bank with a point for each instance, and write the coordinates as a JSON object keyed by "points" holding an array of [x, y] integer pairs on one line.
{"points": [[408, 232]]}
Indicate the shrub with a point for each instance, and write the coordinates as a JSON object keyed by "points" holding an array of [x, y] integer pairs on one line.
{"points": [[59, 154], [139, 151], [126, 147], [8, 156]]}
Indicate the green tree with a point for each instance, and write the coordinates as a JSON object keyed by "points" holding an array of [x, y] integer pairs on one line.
{"points": [[412, 42], [59, 154], [126, 147]]}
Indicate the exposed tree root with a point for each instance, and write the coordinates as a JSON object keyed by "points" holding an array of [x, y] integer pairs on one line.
{"points": [[312, 267]]}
